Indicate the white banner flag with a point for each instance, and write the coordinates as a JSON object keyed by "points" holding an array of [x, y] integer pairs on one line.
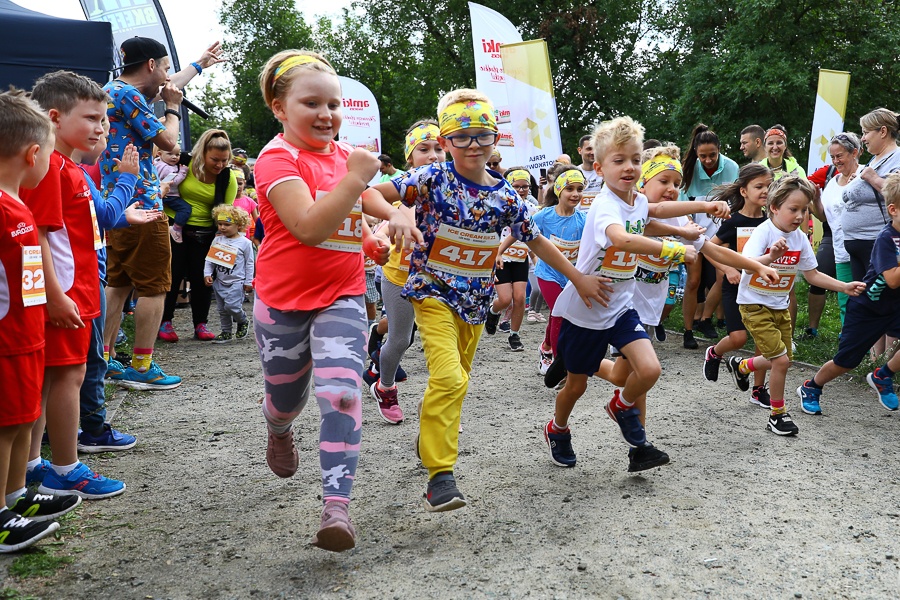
{"points": [[828, 120], [532, 105], [361, 126], [490, 29]]}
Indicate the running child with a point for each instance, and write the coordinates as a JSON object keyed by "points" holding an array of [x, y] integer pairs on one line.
{"points": [[229, 270], [422, 148], [26, 143], [763, 306], [869, 315], [170, 170], [461, 208], [747, 199], [309, 317], [613, 235]]}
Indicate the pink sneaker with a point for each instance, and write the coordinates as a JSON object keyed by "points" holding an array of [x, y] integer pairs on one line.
{"points": [[388, 407], [175, 233], [201, 332], [281, 454], [336, 533], [167, 332]]}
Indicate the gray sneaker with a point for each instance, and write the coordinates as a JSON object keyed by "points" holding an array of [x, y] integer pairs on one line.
{"points": [[515, 344], [442, 494]]}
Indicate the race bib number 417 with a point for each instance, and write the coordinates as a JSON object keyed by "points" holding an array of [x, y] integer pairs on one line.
{"points": [[463, 253]]}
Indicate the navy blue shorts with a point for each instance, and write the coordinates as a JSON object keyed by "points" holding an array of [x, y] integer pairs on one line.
{"points": [[583, 349], [862, 328]]}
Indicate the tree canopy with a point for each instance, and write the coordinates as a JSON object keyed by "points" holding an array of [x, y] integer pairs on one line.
{"points": [[668, 63]]}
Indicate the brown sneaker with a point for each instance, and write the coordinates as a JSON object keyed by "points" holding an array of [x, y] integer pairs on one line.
{"points": [[281, 454], [336, 532]]}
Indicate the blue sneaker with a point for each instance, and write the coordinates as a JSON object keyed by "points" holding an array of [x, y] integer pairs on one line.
{"points": [[885, 388], [36, 475], [560, 445], [401, 375], [370, 375], [108, 441], [629, 421], [114, 369], [81, 481], [809, 398], [152, 379]]}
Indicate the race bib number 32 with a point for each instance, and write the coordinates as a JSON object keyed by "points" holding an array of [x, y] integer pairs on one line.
{"points": [[463, 253], [33, 287]]}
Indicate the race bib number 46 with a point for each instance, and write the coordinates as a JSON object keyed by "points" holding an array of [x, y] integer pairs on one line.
{"points": [[33, 287], [463, 253], [223, 255], [568, 248]]}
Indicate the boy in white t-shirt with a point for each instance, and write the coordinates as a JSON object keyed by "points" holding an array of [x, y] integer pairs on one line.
{"points": [[764, 307], [612, 238]]}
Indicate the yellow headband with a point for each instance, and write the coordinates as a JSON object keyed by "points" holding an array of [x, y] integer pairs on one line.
{"points": [[565, 178], [291, 62], [518, 175], [655, 166], [224, 218], [421, 133], [465, 115]]}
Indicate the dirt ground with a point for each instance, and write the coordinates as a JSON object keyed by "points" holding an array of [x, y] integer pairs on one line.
{"points": [[739, 512]]}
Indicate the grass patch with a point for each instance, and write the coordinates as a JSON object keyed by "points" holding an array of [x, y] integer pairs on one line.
{"points": [[38, 562], [11, 594]]}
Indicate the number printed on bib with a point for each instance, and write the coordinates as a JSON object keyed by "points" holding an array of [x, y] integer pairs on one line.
{"points": [[518, 252], [786, 267], [369, 264], [223, 255], [98, 241], [617, 264], [34, 292], [462, 252], [568, 248], [586, 201], [743, 234], [348, 237], [652, 269]]}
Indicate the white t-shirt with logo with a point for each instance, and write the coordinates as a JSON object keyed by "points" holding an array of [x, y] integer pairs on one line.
{"points": [[753, 289], [597, 256], [593, 183]]}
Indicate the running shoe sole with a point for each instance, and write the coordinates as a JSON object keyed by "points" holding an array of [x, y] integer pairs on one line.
{"points": [[144, 387], [452, 504], [5, 548], [336, 538], [42, 489], [771, 427], [97, 449]]}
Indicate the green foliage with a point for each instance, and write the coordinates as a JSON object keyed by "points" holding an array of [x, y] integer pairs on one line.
{"points": [[38, 562]]}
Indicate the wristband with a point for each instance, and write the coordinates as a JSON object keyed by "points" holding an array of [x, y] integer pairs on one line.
{"points": [[198, 67], [173, 112], [673, 251]]}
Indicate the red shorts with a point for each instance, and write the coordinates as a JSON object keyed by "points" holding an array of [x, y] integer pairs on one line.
{"points": [[23, 376], [67, 346]]}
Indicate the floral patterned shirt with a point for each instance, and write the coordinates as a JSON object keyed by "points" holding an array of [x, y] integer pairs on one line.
{"points": [[446, 202]]}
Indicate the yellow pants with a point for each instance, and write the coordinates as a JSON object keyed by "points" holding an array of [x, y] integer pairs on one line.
{"points": [[449, 344]]}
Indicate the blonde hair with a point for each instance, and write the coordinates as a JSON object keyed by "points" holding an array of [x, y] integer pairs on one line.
{"points": [[616, 134], [878, 118], [891, 189], [670, 150], [460, 95], [211, 139], [22, 123], [273, 89], [780, 190], [240, 216]]}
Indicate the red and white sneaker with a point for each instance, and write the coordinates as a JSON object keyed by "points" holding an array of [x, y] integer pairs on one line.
{"points": [[167, 332], [202, 333], [388, 407]]}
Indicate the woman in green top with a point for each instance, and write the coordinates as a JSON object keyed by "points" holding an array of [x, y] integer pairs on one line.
{"points": [[778, 157], [209, 182]]}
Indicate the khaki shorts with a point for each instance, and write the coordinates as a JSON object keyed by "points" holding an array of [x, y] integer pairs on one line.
{"points": [[770, 328], [140, 256]]}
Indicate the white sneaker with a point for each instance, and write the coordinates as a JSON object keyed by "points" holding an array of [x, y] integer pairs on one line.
{"points": [[545, 362]]}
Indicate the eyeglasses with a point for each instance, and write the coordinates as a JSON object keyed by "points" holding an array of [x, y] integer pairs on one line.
{"points": [[482, 139], [493, 164], [843, 139]]}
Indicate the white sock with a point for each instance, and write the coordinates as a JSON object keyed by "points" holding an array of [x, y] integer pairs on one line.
{"points": [[491, 308], [513, 332], [63, 470], [624, 401], [559, 427], [32, 464], [12, 498]]}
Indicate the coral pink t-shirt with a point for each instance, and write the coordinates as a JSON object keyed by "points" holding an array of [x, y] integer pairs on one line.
{"points": [[289, 274]]}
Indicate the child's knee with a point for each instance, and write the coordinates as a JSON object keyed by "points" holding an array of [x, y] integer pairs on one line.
{"points": [[738, 338], [451, 380], [782, 362]]}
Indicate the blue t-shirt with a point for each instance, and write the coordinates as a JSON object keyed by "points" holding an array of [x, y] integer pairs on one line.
{"points": [[442, 197], [111, 210], [551, 225], [879, 297], [131, 121]]}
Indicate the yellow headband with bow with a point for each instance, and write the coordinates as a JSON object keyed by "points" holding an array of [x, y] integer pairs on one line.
{"points": [[565, 178], [467, 115], [419, 134], [291, 62], [518, 175], [655, 166]]}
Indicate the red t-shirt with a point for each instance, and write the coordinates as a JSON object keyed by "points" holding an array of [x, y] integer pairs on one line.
{"points": [[62, 203], [21, 327], [290, 275]]}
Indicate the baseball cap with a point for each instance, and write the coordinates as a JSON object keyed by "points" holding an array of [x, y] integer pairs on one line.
{"points": [[138, 50]]}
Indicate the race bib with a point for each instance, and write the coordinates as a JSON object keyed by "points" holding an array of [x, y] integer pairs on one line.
{"points": [[223, 255], [464, 253], [617, 264], [568, 248], [786, 267], [518, 252], [652, 269], [586, 201], [743, 234], [369, 264], [33, 286], [348, 237], [98, 241]]}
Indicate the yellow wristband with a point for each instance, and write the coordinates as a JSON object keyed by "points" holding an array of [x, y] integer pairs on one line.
{"points": [[673, 251]]}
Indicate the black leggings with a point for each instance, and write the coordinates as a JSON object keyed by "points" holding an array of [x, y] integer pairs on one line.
{"points": [[860, 252], [825, 258], [188, 259]]}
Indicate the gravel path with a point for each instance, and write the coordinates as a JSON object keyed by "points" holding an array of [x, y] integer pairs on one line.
{"points": [[739, 512]]}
